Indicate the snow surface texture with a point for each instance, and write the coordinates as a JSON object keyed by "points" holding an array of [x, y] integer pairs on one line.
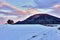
{"points": [[28, 32]]}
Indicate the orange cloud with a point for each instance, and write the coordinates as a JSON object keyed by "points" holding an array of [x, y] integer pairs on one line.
{"points": [[33, 11], [18, 10]]}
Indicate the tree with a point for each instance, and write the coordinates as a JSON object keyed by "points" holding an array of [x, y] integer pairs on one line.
{"points": [[10, 21]]}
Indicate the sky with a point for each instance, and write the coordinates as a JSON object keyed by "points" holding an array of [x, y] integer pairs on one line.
{"points": [[22, 9], [34, 3]]}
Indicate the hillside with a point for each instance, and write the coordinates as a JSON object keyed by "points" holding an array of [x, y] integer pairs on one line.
{"points": [[40, 19]]}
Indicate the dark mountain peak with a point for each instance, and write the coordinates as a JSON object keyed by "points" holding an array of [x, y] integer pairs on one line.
{"points": [[41, 19], [42, 15]]}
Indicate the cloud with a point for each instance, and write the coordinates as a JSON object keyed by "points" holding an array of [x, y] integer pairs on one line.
{"points": [[46, 3], [39, 11], [57, 6], [2, 22], [11, 9], [6, 17], [33, 3], [56, 10], [44, 10], [2, 10], [53, 11]]}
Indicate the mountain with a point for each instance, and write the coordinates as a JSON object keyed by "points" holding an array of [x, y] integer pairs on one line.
{"points": [[40, 19]]}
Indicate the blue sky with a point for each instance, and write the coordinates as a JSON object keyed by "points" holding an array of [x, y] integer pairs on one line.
{"points": [[19, 3], [34, 3]]}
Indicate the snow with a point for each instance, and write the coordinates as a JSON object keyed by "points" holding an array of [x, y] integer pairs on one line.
{"points": [[28, 32]]}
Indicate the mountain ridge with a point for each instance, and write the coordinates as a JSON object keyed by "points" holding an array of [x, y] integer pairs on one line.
{"points": [[40, 19]]}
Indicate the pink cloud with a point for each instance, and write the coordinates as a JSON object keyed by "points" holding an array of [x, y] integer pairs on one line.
{"points": [[56, 10], [57, 6], [2, 22]]}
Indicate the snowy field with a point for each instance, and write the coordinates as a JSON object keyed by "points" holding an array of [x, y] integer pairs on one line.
{"points": [[28, 32]]}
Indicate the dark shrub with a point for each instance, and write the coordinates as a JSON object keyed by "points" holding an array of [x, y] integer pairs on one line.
{"points": [[10, 21]]}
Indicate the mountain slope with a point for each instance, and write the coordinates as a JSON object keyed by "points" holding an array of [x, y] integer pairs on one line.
{"points": [[40, 19]]}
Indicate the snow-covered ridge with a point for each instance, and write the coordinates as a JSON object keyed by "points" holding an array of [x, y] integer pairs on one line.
{"points": [[28, 32]]}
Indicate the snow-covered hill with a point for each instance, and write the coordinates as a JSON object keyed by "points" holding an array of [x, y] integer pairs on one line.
{"points": [[28, 32]]}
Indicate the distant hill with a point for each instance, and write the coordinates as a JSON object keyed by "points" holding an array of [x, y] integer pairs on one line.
{"points": [[40, 19]]}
